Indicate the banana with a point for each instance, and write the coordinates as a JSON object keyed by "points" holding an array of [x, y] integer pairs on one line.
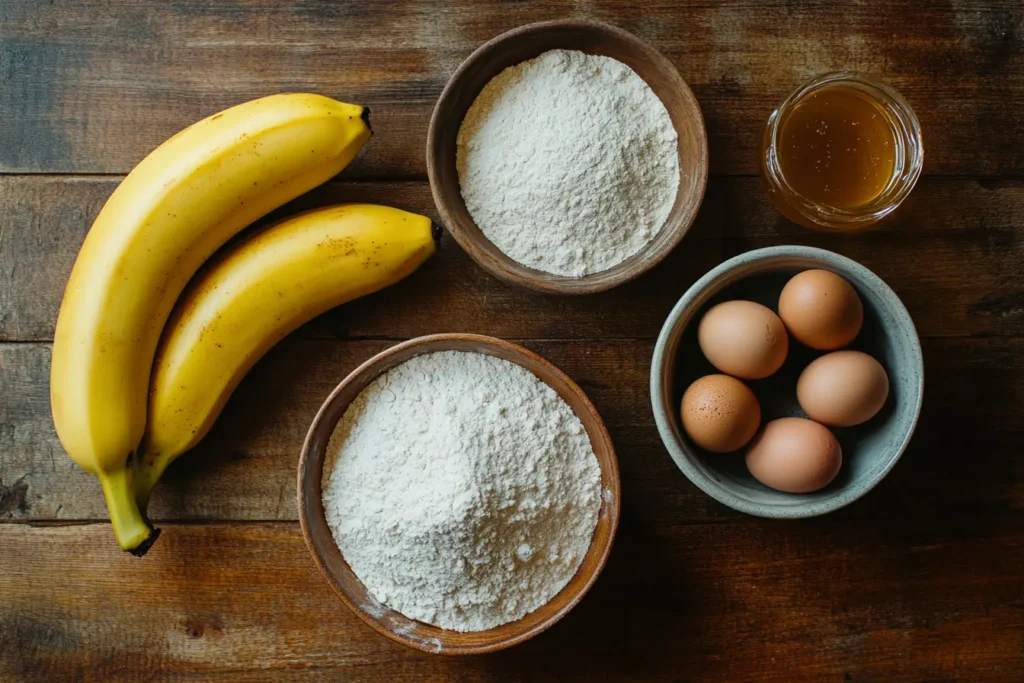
{"points": [[176, 207], [251, 297]]}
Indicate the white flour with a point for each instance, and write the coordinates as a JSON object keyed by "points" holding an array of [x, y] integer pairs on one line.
{"points": [[462, 490], [568, 163]]}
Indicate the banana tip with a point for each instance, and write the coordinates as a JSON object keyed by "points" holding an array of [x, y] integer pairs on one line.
{"points": [[365, 116], [436, 232], [143, 548]]}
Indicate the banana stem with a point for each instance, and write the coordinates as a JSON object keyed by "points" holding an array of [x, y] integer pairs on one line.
{"points": [[148, 470], [133, 532]]}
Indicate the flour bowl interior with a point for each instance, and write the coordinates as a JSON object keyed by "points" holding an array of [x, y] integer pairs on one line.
{"points": [[339, 575], [525, 43]]}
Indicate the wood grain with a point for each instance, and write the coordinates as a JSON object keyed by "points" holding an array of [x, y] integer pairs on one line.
{"points": [[95, 85], [920, 580], [245, 469], [760, 601], [954, 253]]}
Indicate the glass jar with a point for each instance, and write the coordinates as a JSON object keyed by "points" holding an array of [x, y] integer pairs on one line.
{"points": [[818, 213]]}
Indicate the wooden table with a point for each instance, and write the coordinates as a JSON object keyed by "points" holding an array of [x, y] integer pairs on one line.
{"points": [[921, 580]]}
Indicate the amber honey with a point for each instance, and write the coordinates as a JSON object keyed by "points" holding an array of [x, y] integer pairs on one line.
{"points": [[841, 152], [837, 148]]}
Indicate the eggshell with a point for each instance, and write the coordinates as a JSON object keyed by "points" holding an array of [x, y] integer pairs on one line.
{"points": [[743, 339], [720, 413], [794, 455], [821, 310], [843, 388]]}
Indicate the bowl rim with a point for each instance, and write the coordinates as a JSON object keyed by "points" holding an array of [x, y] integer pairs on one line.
{"points": [[696, 296], [610, 504], [533, 278]]}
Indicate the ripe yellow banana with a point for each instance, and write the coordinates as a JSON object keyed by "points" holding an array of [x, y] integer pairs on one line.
{"points": [[251, 297], [176, 207]]}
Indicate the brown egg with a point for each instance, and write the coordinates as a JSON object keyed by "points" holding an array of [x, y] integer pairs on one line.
{"points": [[821, 310], [743, 339], [843, 388], [720, 413], [794, 455]]}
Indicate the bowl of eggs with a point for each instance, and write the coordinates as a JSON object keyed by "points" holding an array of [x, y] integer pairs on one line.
{"points": [[787, 382]]}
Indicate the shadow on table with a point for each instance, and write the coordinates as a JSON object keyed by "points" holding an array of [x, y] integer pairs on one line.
{"points": [[628, 625]]}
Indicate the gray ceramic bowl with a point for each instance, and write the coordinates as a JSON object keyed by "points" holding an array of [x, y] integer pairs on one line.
{"points": [[870, 450]]}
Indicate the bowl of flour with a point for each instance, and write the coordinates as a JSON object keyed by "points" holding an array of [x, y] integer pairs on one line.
{"points": [[459, 493], [567, 156]]}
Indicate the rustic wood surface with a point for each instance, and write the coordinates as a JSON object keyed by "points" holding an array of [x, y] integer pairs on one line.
{"points": [[919, 581]]}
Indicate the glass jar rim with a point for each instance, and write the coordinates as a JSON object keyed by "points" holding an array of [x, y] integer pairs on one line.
{"points": [[908, 137]]}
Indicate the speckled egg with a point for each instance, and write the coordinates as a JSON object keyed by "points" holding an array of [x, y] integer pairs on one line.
{"points": [[720, 413]]}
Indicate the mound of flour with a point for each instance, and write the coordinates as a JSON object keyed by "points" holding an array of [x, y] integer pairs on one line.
{"points": [[568, 163], [462, 491]]}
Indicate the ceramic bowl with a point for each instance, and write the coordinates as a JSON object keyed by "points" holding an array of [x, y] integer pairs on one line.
{"points": [[347, 586], [870, 450], [528, 42]]}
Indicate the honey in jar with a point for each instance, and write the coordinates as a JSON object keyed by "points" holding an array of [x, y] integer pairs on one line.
{"points": [[840, 153], [837, 148]]}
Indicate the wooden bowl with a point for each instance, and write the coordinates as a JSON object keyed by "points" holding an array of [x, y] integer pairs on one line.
{"points": [[339, 575], [528, 42]]}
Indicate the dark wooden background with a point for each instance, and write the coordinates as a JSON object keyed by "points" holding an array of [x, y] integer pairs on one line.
{"points": [[923, 580]]}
